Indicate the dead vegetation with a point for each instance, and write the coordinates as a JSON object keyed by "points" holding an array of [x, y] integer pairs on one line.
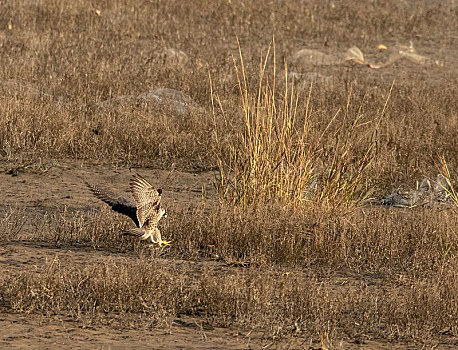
{"points": [[293, 250], [279, 155], [280, 303], [59, 63], [397, 280]]}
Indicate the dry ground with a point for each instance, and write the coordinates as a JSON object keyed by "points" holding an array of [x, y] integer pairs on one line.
{"points": [[193, 299], [267, 275]]}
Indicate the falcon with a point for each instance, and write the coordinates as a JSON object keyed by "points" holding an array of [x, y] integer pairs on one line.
{"points": [[145, 211]]}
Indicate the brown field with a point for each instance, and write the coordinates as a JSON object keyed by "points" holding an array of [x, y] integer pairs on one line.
{"points": [[272, 165]]}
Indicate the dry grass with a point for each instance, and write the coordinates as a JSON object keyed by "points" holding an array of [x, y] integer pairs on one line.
{"points": [[445, 172], [272, 159], [280, 303], [94, 289], [387, 241], [356, 132], [279, 155], [59, 62], [350, 273], [12, 222]]}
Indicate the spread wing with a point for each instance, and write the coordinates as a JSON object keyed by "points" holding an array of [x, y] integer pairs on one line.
{"points": [[146, 197], [144, 193], [119, 204]]}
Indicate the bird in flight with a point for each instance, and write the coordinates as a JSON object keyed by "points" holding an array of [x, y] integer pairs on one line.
{"points": [[145, 210]]}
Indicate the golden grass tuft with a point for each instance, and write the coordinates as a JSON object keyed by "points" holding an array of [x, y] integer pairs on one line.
{"points": [[446, 174], [281, 156]]}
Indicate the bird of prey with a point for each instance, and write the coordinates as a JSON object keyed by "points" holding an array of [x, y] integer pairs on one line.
{"points": [[145, 210]]}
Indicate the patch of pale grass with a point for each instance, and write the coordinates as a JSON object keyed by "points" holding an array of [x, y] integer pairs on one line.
{"points": [[279, 155], [445, 172], [12, 221], [278, 301]]}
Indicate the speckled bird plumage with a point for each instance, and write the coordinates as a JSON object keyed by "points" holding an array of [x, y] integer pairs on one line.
{"points": [[145, 210]]}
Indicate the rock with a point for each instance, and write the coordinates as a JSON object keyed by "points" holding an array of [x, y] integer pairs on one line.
{"points": [[310, 77], [156, 99], [424, 194], [401, 200], [172, 56], [307, 58], [170, 98]]}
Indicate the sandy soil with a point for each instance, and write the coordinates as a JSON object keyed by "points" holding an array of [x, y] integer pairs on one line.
{"points": [[63, 185], [37, 332]]}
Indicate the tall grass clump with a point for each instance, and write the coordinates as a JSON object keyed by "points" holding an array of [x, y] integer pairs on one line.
{"points": [[281, 155], [344, 166], [444, 170], [271, 158]]}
